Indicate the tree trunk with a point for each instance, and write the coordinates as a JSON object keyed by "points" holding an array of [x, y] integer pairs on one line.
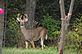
{"points": [[65, 23], [1, 31], [61, 43], [1, 25], [30, 10]]}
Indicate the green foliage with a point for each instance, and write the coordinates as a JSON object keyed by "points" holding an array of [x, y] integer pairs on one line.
{"points": [[74, 37], [52, 26], [12, 24], [11, 33], [78, 25], [73, 40]]}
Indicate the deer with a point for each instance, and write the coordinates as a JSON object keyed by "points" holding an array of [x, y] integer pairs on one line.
{"points": [[33, 34]]}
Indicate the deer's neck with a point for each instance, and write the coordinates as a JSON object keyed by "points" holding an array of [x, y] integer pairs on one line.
{"points": [[23, 29]]}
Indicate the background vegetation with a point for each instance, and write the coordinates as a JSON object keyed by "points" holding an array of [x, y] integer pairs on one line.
{"points": [[48, 14]]}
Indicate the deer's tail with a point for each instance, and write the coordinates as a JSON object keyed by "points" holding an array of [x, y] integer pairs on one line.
{"points": [[46, 37]]}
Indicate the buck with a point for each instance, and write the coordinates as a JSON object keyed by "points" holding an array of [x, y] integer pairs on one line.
{"points": [[32, 35]]}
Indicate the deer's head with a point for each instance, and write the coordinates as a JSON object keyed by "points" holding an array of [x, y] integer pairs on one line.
{"points": [[22, 18]]}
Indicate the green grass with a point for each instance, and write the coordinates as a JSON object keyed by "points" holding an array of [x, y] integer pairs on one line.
{"points": [[35, 51]]}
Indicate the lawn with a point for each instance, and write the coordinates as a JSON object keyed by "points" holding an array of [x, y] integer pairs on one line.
{"points": [[49, 50]]}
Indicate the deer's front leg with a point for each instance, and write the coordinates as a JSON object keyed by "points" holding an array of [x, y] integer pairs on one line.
{"points": [[33, 45], [26, 44]]}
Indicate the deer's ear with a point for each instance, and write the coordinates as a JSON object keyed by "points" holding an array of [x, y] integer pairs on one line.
{"points": [[18, 19]]}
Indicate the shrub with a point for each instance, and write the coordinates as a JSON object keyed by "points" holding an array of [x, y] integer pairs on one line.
{"points": [[74, 37], [52, 25]]}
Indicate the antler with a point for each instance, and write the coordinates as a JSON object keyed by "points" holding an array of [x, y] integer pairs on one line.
{"points": [[18, 19], [26, 15], [18, 16], [25, 18]]}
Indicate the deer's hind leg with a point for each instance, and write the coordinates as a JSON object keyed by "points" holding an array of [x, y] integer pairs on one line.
{"points": [[33, 45], [42, 35], [42, 43]]}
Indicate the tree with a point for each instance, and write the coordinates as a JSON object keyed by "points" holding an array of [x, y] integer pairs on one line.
{"points": [[1, 24], [30, 11], [65, 23]]}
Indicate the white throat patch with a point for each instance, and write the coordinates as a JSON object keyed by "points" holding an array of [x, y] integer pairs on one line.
{"points": [[21, 26]]}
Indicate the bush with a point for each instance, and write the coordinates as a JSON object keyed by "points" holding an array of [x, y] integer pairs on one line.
{"points": [[11, 33], [52, 25], [73, 40], [74, 37]]}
